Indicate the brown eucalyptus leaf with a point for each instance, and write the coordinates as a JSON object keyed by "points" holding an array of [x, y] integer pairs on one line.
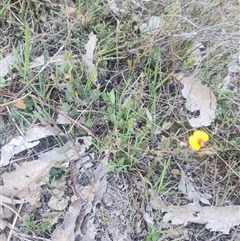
{"points": [[219, 219], [198, 97], [24, 182], [66, 231]]}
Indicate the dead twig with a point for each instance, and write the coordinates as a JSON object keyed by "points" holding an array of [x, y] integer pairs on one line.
{"points": [[14, 222]]}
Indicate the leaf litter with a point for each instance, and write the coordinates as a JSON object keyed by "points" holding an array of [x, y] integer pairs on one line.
{"points": [[186, 186], [66, 230], [23, 184], [153, 24], [89, 56], [7, 63], [229, 83], [220, 219], [89, 196], [29, 140], [198, 97], [31, 175]]}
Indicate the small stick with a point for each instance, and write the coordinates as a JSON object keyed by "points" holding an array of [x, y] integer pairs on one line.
{"points": [[14, 222], [74, 180], [14, 101], [67, 117]]}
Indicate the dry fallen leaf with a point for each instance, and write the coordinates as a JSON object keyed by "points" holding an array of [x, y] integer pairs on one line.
{"points": [[24, 182], [41, 60], [10, 149], [198, 97], [3, 237], [38, 61], [148, 219], [229, 83], [234, 64], [186, 186], [88, 57], [5, 64], [62, 119], [5, 212], [196, 53], [69, 12], [3, 225], [152, 24], [9, 200], [100, 185], [20, 104], [91, 229], [220, 219], [38, 132], [66, 231], [19, 143], [58, 203], [77, 214], [113, 7]]}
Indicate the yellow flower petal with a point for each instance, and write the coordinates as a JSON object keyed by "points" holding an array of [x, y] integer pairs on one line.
{"points": [[201, 135], [193, 141]]}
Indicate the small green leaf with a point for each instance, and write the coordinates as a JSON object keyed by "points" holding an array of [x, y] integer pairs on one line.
{"points": [[110, 110], [95, 95], [166, 125], [2, 82], [66, 107], [53, 172], [166, 143], [73, 112], [127, 102], [144, 144], [176, 151], [89, 122], [140, 112], [104, 96], [112, 96], [149, 116], [112, 117]]}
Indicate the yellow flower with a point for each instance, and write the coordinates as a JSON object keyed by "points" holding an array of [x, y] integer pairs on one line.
{"points": [[198, 139]]}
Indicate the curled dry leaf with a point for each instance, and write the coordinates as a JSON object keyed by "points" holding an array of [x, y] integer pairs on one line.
{"points": [[24, 182], [66, 231], [199, 97], [77, 215], [187, 187]]}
